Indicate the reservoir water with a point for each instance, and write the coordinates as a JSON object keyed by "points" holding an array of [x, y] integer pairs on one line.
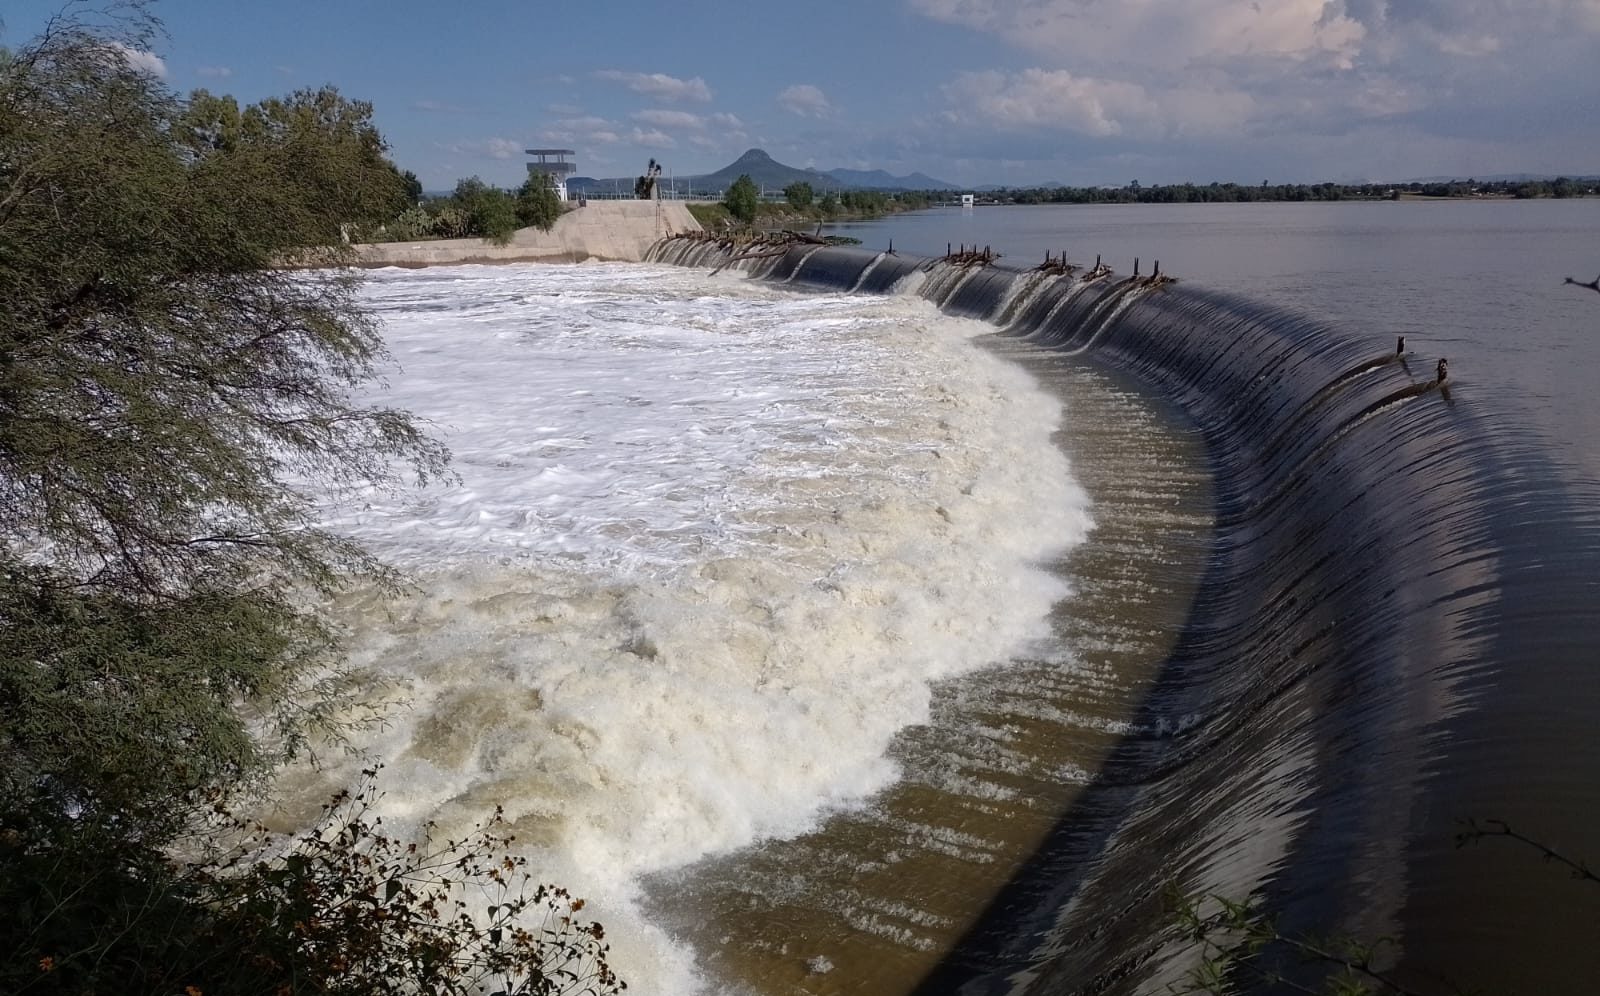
{"points": [[830, 643]]}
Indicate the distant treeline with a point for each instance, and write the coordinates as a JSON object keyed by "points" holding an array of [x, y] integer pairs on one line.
{"points": [[1189, 193]]}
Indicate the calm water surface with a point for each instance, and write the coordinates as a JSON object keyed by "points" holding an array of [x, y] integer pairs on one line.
{"points": [[1479, 283]]}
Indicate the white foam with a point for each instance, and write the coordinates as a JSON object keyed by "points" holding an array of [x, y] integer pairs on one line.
{"points": [[711, 543]]}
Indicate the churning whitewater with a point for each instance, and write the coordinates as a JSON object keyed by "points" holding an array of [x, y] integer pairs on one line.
{"points": [[710, 544]]}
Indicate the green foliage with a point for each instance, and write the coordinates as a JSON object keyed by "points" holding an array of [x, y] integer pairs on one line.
{"points": [[741, 199], [799, 195], [323, 144], [491, 213], [450, 220], [160, 381], [413, 188], [116, 709], [864, 203], [412, 223], [538, 206], [709, 216], [344, 909], [829, 205]]}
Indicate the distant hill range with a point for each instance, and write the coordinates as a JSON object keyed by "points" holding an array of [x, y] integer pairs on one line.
{"points": [[769, 173]]}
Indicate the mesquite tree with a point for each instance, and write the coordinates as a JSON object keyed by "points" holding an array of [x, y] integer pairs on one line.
{"points": [[163, 379]]}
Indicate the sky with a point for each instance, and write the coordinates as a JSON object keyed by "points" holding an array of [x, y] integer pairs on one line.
{"points": [[973, 92]]}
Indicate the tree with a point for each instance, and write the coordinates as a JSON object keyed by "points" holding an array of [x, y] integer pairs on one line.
{"points": [[413, 188], [537, 203], [799, 195], [741, 198], [324, 144], [491, 213], [160, 380]]}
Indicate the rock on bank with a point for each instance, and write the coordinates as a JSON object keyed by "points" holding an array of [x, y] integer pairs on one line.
{"points": [[610, 230]]}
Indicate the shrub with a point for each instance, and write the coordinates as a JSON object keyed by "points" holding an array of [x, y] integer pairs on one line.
{"points": [[742, 198], [412, 223], [537, 203], [799, 195], [344, 909], [490, 212]]}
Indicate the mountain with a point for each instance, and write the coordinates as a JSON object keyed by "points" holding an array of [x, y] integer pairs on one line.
{"points": [[772, 175], [766, 172], [877, 179]]}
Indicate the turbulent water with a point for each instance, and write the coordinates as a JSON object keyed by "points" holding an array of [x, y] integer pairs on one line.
{"points": [[711, 545], [771, 611], [1392, 632]]}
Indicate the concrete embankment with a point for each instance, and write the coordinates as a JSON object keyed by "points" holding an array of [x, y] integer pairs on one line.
{"points": [[608, 230]]}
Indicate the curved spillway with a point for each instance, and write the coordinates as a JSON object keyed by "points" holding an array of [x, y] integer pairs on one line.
{"points": [[1310, 741]]}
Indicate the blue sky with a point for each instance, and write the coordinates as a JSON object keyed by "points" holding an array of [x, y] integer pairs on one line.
{"points": [[970, 91]]}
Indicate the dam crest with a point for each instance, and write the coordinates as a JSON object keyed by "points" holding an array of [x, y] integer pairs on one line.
{"points": [[1350, 613]]}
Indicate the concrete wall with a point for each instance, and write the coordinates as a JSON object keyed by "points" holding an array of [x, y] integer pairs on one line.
{"points": [[612, 230]]}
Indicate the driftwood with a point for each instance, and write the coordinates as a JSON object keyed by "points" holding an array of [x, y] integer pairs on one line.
{"points": [[1057, 266], [746, 244], [1097, 271], [965, 257], [1593, 285], [767, 245]]}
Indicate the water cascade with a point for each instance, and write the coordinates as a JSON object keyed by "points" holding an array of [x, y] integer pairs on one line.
{"points": [[1296, 746]]}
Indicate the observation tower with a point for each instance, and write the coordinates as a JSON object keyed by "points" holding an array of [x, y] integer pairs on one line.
{"points": [[555, 165]]}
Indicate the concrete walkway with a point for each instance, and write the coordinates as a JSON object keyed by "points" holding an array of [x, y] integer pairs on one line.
{"points": [[611, 230]]}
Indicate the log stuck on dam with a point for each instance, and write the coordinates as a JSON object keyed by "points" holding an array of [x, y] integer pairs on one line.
{"points": [[1354, 607]]}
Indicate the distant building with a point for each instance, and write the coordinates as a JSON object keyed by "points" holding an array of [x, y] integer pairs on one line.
{"points": [[966, 200], [555, 166]]}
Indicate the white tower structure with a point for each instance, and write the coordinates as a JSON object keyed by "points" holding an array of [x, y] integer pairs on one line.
{"points": [[555, 165]]}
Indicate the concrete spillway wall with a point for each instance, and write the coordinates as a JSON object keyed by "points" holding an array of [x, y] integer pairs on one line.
{"points": [[605, 230]]}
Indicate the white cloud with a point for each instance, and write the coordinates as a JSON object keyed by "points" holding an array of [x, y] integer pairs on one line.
{"points": [[1057, 100], [565, 110], [652, 139], [437, 107], [487, 148], [503, 148], [805, 100], [587, 130], [139, 60], [669, 119], [214, 72], [583, 124], [724, 120], [1269, 70], [659, 86], [1173, 34]]}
